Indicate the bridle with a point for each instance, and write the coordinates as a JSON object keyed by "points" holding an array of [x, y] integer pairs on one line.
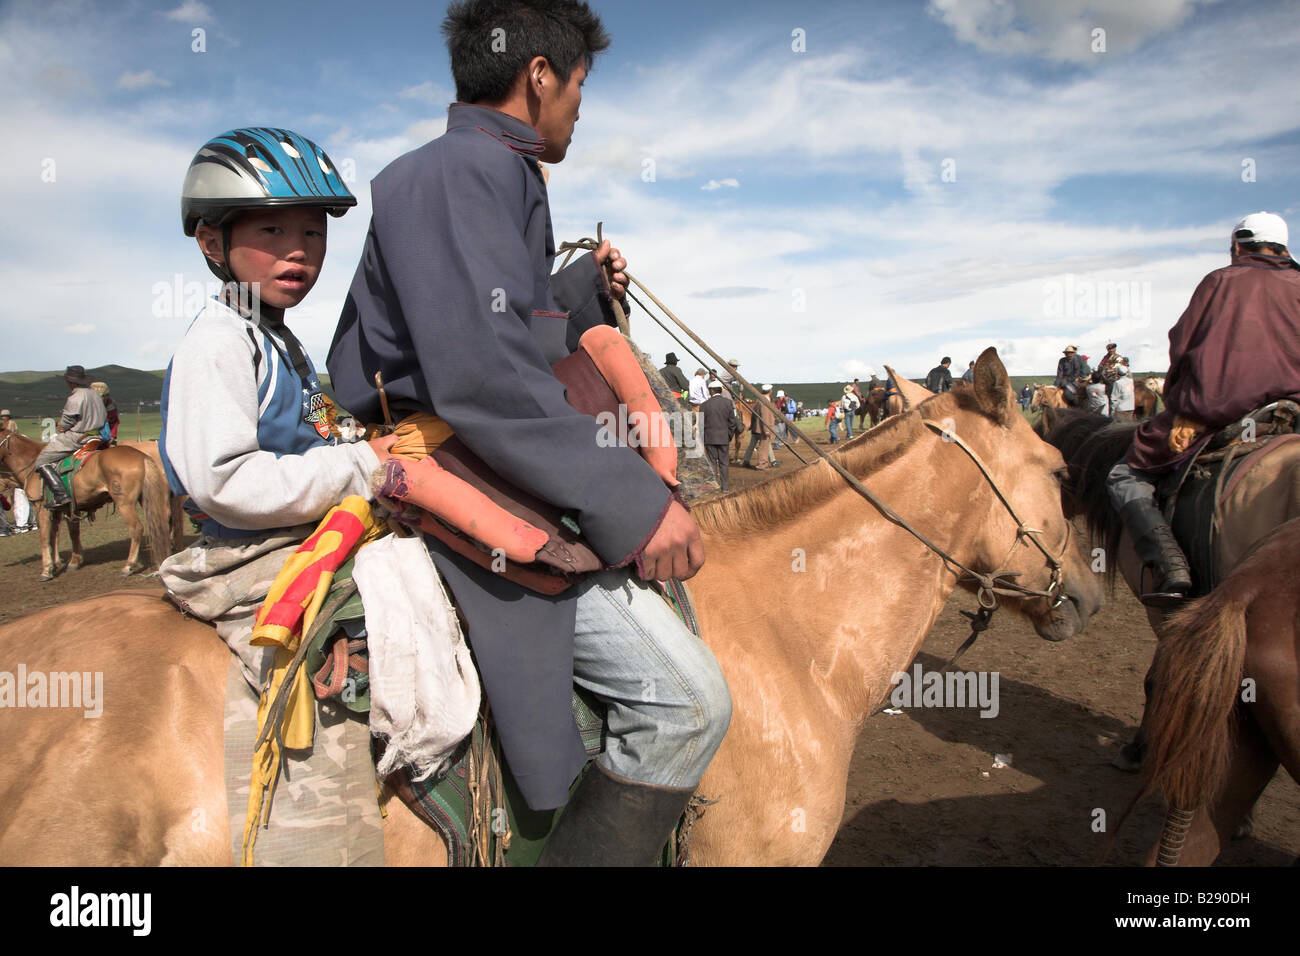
{"points": [[18, 477], [998, 582], [988, 586]]}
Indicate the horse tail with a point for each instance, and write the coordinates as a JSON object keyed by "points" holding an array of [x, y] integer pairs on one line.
{"points": [[1198, 667], [156, 503]]}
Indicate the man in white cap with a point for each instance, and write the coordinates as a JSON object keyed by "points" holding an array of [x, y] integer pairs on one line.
{"points": [[1236, 348]]}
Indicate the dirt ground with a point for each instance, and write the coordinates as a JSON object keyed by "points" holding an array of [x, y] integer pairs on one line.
{"points": [[922, 789]]}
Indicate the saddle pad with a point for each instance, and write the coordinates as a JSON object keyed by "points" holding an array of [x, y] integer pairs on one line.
{"points": [[1194, 509]]}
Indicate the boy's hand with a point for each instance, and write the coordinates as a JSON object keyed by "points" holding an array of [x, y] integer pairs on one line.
{"points": [[612, 261], [676, 550], [382, 445]]}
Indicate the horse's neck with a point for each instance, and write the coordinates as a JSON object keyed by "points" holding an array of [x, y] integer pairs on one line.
{"points": [[836, 600]]}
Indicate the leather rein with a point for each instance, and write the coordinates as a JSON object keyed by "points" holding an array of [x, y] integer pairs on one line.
{"points": [[988, 586]]}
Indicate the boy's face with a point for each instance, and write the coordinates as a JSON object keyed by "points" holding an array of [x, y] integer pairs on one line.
{"points": [[281, 249], [559, 113]]}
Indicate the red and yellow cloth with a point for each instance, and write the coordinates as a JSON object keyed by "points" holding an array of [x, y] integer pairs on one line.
{"points": [[287, 613]]}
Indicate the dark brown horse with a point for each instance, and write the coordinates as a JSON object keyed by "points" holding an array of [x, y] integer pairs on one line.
{"points": [[123, 476], [1265, 498], [1225, 702]]}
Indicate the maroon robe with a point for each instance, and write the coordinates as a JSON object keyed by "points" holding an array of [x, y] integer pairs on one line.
{"points": [[1237, 347]]}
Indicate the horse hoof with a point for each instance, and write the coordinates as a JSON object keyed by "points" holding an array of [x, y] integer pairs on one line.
{"points": [[130, 569], [46, 576]]}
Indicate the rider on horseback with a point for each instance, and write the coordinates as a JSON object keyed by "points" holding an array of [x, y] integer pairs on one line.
{"points": [[245, 422], [1235, 349], [1069, 370], [82, 418]]}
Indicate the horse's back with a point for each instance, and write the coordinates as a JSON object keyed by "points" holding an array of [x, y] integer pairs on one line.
{"points": [[115, 756]]}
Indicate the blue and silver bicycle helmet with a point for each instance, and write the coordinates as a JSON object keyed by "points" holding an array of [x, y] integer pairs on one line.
{"points": [[256, 167]]}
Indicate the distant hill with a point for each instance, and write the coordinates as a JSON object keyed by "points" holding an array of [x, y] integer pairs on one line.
{"points": [[42, 394]]}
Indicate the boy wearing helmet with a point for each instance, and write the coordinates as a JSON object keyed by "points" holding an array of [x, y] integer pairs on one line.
{"points": [[245, 422]]}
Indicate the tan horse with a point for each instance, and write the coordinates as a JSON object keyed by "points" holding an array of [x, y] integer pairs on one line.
{"points": [[1147, 394], [1258, 501], [177, 522], [143, 783], [122, 476], [1214, 748], [1048, 396]]}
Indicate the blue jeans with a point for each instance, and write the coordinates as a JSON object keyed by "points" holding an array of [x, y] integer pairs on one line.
{"points": [[668, 703], [848, 425]]}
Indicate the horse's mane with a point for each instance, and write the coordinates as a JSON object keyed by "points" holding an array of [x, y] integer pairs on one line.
{"points": [[1091, 446], [776, 501]]}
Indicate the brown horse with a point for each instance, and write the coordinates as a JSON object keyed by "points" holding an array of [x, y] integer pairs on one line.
{"points": [[1216, 741], [122, 476], [143, 783], [1257, 501], [745, 414], [1147, 394], [1048, 396], [150, 448]]}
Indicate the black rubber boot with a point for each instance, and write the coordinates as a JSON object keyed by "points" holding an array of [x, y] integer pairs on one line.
{"points": [[614, 822], [1159, 551], [50, 475]]}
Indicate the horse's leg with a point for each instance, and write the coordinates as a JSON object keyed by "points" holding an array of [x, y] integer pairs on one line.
{"points": [[47, 524], [76, 559], [126, 506], [1252, 766]]}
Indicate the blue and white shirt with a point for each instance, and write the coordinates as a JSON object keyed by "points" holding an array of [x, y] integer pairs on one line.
{"points": [[244, 432]]}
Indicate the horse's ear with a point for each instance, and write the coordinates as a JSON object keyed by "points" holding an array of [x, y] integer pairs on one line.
{"points": [[993, 387], [912, 393]]}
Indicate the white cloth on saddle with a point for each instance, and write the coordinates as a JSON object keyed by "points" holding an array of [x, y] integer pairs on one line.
{"points": [[424, 690]]}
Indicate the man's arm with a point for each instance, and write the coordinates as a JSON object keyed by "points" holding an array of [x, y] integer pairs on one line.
{"points": [[453, 250]]}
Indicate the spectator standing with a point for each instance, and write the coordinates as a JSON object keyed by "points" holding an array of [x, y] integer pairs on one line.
{"points": [[24, 516], [720, 424], [698, 392], [969, 375], [761, 426], [848, 405], [940, 379], [834, 415], [675, 377], [1098, 403], [1121, 394]]}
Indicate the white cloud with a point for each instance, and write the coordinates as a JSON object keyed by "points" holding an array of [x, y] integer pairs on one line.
{"points": [[713, 184], [142, 80], [1060, 29], [428, 92], [191, 11], [79, 328]]}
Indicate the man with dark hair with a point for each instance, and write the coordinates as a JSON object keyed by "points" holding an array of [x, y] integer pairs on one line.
{"points": [[454, 302], [675, 377], [1235, 349], [82, 418], [940, 379]]}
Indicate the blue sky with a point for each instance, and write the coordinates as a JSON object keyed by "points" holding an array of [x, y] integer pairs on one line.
{"points": [[918, 179]]}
